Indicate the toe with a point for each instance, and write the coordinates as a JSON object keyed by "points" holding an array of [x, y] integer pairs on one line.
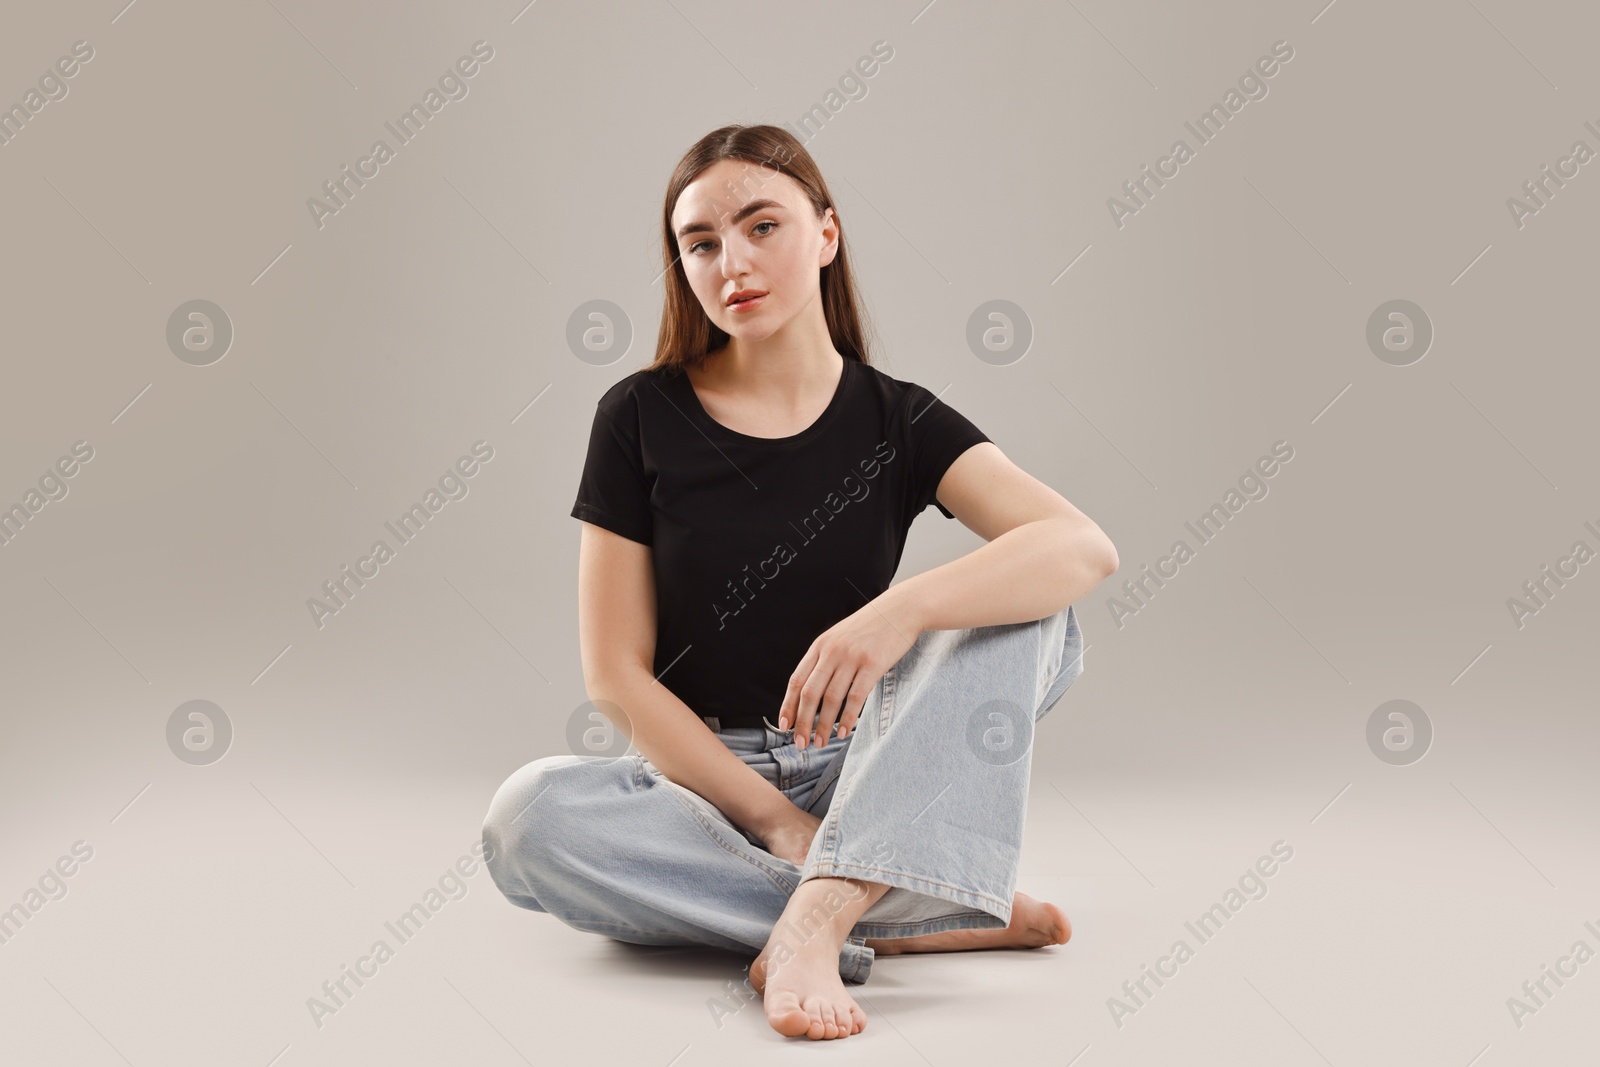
{"points": [[822, 1026], [786, 1015]]}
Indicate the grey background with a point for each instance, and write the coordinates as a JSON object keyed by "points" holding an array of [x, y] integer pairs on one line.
{"points": [[431, 312]]}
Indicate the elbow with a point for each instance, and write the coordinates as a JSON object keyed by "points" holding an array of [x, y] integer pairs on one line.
{"points": [[1089, 559], [1093, 544], [1109, 561], [602, 682], [611, 701]]}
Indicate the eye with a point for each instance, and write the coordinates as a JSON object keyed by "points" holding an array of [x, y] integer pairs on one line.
{"points": [[693, 249]]}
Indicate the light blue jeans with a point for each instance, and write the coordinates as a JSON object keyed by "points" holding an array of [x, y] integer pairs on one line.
{"points": [[928, 794]]}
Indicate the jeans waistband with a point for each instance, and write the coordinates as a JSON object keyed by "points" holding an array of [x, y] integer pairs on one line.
{"points": [[716, 724]]}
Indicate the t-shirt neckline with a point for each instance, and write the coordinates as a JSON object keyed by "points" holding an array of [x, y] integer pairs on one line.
{"points": [[804, 435]]}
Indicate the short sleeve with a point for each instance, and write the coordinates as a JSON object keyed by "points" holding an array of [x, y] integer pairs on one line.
{"points": [[937, 434], [613, 491]]}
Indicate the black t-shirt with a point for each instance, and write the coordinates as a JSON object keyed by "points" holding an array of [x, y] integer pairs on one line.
{"points": [[760, 544]]}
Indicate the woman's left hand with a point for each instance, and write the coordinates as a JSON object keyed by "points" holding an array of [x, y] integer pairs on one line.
{"points": [[842, 666]]}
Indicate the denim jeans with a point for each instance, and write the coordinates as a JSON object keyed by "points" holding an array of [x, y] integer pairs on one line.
{"points": [[927, 794]]}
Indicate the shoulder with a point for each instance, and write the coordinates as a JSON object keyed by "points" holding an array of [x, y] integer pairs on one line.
{"points": [[897, 393], [902, 400], [623, 397]]}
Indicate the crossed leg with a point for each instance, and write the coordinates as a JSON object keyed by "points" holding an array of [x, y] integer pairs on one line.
{"points": [[797, 972]]}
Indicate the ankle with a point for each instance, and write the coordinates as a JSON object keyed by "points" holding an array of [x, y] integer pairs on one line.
{"points": [[826, 908]]}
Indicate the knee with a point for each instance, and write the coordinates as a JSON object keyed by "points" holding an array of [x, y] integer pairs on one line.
{"points": [[1062, 660], [523, 802], [523, 820], [1068, 639]]}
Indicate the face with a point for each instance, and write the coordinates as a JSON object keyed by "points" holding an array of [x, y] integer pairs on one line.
{"points": [[743, 227]]}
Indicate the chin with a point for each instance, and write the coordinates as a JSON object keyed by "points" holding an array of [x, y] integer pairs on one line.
{"points": [[747, 333]]}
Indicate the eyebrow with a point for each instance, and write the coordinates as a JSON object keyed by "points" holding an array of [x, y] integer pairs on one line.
{"points": [[738, 216]]}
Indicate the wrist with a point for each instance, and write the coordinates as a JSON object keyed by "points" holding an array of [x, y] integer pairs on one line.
{"points": [[904, 605], [778, 812]]}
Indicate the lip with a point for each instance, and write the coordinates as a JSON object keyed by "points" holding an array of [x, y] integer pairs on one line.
{"points": [[741, 305]]}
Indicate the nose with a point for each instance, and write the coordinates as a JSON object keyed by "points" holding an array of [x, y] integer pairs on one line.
{"points": [[735, 260]]}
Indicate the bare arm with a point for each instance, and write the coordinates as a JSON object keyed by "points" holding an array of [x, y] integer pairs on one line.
{"points": [[617, 639], [1042, 553]]}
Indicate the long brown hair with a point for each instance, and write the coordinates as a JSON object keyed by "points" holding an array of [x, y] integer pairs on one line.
{"points": [[687, 335]]}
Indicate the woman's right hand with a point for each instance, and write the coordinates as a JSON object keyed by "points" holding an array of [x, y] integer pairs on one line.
{"points": [[791, 839]]}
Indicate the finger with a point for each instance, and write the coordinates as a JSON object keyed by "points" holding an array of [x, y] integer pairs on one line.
{"points": [[833, 703], [789, 711], [819, 703], [856, 702], [806, 703]]}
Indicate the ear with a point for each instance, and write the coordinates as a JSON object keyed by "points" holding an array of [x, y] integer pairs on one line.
{"points": [[830, 235]]}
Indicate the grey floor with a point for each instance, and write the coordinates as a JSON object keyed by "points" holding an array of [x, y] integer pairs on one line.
{"points": [[1417, 901]]}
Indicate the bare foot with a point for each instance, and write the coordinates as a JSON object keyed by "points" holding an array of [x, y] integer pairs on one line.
{"points": [[804, 996], [1034, 924]]}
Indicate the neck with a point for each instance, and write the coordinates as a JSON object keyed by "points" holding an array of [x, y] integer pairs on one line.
{"points": [[785, 366]]}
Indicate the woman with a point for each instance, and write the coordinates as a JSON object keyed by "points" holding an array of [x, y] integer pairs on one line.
{"points": [[745, 502]]}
